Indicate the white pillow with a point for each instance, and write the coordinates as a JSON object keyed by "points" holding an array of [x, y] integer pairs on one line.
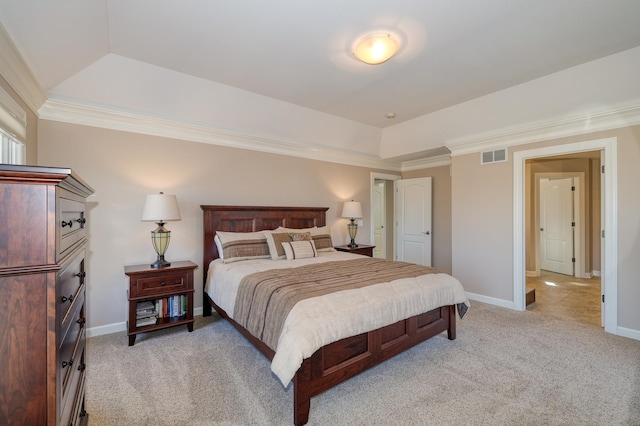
{"points": [[299, 249], [216, 240]]}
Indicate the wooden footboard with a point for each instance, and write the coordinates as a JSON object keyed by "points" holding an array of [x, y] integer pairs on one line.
{"points": [[346, 358]]}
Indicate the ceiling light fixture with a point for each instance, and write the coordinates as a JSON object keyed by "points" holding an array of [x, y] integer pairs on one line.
{"points": [[375, 49]]}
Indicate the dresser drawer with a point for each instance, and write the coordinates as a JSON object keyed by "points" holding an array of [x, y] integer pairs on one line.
{"points": [[71, 278], [69, 351], [71, 222], [72, 405], [152, 285]]}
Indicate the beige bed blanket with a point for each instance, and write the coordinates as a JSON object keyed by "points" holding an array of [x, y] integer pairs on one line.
{"points": [[376, 296]]}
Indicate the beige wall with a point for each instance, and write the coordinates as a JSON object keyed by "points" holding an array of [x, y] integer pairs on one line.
{"points": [[32, 124], [441, 216], [123, 167], [482, 221]]}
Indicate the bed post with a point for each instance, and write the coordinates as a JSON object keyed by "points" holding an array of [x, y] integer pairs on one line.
{"points": [[301, 394], [451, 330]]}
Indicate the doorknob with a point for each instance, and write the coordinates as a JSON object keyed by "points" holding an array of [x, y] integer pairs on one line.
{"points": [[427, 233], [542, 229]]}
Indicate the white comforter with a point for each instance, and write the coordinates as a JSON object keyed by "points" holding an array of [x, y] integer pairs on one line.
{"points": [[318, 321]]}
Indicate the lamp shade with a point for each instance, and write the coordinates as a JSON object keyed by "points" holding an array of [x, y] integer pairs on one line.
{"points": [[160, 208], [352, 210]]}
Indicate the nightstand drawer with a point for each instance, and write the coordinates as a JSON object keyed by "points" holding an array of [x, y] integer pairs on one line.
{"points": [[159, 285]]}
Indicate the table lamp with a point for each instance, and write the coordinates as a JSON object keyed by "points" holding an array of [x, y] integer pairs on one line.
{"points": [[160, 208], [352, 210]]}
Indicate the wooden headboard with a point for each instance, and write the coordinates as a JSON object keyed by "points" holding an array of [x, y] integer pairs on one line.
{"points": [[252, 219]]}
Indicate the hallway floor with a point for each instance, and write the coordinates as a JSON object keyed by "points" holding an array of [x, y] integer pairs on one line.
{"points": [[565, 297]]}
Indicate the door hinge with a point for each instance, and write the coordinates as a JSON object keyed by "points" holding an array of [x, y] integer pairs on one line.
{"points": [[573, 259], [573, 224], [603, 298], [603, 168], [603, 233], [573, 188]]}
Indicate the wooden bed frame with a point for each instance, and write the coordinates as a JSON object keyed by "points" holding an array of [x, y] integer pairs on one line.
{"points": [[338, 361]]}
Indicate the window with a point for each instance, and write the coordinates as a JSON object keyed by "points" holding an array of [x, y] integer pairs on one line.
{"points": [[11, 149], [13, 130]]}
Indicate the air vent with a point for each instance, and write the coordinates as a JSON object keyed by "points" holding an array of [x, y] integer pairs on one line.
{"points": [[497, 156]]}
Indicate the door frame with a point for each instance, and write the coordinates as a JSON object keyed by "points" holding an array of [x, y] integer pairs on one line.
{"points": [[579, 238], [372, 182], [609, 199]]}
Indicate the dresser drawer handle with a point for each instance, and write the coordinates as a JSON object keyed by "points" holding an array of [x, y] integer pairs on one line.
{"points": [[66, 364], [82, 367], [81, 274], [69, 224], [81, 320], [65, 298], [81, 221], [162, 284]]}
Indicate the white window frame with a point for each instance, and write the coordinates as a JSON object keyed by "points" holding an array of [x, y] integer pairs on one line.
{"points": [[13, 130]]}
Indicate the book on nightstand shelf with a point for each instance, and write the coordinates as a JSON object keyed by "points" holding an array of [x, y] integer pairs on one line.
{"points": [[146, 314]]}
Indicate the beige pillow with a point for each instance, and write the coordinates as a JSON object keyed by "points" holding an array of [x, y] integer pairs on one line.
{"points": [[321, 236], [238, 246], [275, 240], [299, 249]]}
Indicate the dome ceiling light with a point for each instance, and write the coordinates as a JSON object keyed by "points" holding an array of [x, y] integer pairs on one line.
{"points": [[375, 49]]}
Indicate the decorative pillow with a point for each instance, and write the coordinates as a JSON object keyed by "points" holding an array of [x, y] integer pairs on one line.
{"points": [[321, 236], [299, 249], [243, 246], [300, 236], [274, 241]]}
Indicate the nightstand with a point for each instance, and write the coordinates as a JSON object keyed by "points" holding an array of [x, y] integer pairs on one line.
{"points": [[361, 249], [163, 292]]}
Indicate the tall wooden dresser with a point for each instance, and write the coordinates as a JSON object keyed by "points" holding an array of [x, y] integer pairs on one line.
{"points": [[43, 246]]}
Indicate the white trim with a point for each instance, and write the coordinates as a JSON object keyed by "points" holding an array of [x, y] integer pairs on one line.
{"points": [[532, 274], [426, 163], [595, 273], [69, 112], [610, 221], [106, 329], [491, 300], [15, 70], [552, 129], [628, 332]]}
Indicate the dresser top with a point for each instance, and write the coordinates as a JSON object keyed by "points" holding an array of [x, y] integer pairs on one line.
{"points": [[64, 177]]}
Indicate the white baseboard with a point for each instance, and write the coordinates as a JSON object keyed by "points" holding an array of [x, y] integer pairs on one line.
{"points": [[492, 300], [122, 326], [595, 273], [628, 332], [531, 274]]}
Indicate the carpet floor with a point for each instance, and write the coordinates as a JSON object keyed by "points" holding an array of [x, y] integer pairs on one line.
{"points": [[504, 368]]}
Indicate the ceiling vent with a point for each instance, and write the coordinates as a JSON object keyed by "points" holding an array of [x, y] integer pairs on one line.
{"points": [[497, 156]]}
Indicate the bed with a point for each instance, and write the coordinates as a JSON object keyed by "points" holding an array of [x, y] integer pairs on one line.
{"points": [[335, 361]]}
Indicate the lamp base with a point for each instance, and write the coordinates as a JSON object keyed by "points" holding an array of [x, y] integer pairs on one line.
{"points": [[160, 263], [352, 244]]}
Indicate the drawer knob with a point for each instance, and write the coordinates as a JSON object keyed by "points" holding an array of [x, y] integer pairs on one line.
{"points": [[163, 283], [69, 224], [81, 274], [65, 298], [81, 321], [66, 364]]}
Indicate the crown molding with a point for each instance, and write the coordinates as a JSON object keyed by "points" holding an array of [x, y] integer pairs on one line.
{"points": [[504, 138], [426, 163], [70, 112], [14, 69]]}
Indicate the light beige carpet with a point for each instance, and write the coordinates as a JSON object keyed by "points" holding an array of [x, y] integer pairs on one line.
{"points": [[505, 368]]}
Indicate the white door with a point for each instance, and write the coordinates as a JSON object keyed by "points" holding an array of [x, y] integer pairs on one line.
{"points": [[379, 219], [413, 220], [556, 225]]}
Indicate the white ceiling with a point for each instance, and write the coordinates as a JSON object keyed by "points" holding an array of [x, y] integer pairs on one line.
{"points": [[299, 51]]}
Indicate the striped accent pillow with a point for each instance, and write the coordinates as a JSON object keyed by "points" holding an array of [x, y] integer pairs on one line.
{"points": [[299, 249], [238, 246]]}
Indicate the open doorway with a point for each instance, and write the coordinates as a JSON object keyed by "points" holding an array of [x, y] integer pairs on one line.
{"points": [[563, 244], [382, 211], [523, 227]]}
